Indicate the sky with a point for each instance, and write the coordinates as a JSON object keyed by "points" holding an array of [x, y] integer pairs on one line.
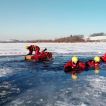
{"points": [[50, 19]]}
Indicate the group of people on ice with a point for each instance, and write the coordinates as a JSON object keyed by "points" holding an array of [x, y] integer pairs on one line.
{"points": [[73, 67]]}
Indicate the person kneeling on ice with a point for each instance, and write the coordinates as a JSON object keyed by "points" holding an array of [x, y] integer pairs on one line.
{"points": [[93, 64], [37, 55], [74, 67]]}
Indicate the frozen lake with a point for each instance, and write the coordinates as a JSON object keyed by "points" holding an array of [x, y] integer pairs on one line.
{"points": [[45, 84], [19, 48]]}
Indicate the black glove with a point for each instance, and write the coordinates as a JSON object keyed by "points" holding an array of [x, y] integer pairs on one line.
{"points": [[45, 49]]}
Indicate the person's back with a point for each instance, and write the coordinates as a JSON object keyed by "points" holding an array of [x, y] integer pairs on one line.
{"points": [[37, 50], [90, 64]]}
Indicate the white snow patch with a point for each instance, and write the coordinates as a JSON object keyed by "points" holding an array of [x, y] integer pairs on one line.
{"points": [[19, 48]]}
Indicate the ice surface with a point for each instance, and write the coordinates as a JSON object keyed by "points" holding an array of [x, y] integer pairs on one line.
{"points": [[20, 48], [45, 84], [5, 72], [91, 92]]}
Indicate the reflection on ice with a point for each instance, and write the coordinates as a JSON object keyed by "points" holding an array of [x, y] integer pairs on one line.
{"points": [[88, 91]]}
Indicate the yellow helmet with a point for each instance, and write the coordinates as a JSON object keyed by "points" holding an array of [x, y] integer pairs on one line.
{"points": [[75, 59], [97, 59]]}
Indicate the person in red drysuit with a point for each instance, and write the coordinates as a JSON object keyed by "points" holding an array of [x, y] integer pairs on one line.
{"points": [[39, 56], [93, 64], [74, 67], [37, 53]]}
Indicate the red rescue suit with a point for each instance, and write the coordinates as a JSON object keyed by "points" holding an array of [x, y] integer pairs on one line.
{"points": [[37, 53], [103, 58], [91, 64], [73, 68]]}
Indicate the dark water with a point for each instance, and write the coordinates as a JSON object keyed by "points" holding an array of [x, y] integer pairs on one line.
{"points": [[45, 84]]}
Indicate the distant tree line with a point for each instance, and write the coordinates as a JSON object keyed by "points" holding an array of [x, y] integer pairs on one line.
{"points": [[97, 34], [71, 38]]}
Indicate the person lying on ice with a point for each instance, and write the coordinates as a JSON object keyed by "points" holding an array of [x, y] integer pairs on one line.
{"points": [[93, 64], [74, 67]]}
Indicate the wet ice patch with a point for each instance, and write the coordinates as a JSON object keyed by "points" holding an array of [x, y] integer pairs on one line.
{"points": [[7, 92], [5, 72], [88, 91]]}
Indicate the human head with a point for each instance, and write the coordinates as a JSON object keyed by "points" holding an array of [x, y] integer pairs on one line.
{"points": [[97, 59], [74, 59]]}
